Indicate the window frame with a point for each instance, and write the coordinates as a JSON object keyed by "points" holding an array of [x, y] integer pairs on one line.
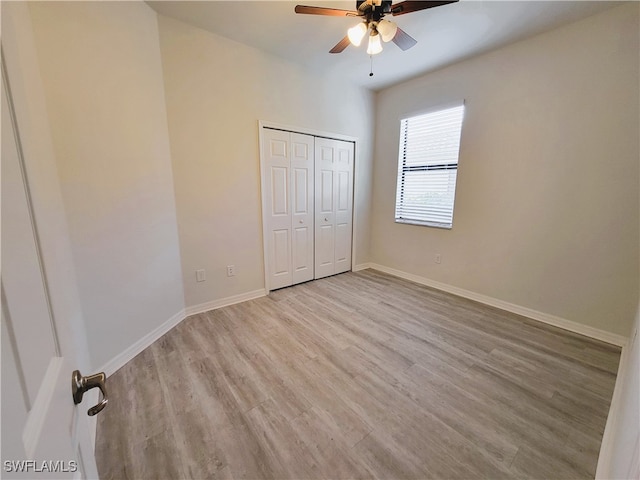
{"points": [[402, 169]]}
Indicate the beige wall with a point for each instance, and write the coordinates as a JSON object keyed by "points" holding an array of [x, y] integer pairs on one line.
{"points": [[102, 75], [546, 213], [216, 91]]}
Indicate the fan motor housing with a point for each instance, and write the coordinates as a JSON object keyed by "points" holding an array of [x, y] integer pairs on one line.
{"points": [[381, 7]]}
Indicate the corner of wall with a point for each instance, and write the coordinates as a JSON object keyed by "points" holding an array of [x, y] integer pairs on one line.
{"points": [[620, 447]]}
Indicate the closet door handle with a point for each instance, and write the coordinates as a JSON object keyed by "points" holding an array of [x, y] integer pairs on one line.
{"points": [[301, 221], [326, 219]]}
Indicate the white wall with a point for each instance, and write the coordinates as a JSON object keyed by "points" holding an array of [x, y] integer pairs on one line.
{"points": [[216, 91], [102, 74], [546, 213]]}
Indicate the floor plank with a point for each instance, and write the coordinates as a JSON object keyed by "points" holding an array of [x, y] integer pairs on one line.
{"points": [[360, 375]]}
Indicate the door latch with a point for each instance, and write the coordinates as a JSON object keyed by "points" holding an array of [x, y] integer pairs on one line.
{"points": [[80, 384]]}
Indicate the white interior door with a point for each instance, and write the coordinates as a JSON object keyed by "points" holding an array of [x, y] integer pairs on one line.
{"points": [[325, 209], [343, 205], [334, 206], [287, 183], [44, 435], [302, 171], [277, 216]]}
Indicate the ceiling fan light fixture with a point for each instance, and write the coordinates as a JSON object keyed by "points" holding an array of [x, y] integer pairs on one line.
{"points": [[387, 30], [356, 34], [375, 46]]}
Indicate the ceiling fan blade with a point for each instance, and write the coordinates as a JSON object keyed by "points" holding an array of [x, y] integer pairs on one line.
{"points": [[409, 6], [403, 39], [341, 45], [332, 12]]}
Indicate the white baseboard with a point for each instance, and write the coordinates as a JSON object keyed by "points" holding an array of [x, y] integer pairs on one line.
{"points": [[563, 323], [117, 362], [223, 302], [361, 266], [121, 359]]}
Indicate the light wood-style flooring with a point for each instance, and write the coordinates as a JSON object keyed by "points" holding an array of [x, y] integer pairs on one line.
{"points": [[360, 375]]}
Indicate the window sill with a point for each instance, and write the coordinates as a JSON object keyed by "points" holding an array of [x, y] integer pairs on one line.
{"points": [[446, 226]]}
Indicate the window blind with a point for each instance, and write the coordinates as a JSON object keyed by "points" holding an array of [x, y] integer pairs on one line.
{"points": [[428, 167]]}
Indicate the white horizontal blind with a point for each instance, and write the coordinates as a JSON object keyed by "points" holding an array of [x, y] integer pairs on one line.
{"points": [[428, 167]]}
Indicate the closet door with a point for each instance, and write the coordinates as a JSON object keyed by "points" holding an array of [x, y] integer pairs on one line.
{"points": [[344, 205], [277, 216], [334, 206], [302, 171], [287, 182]]}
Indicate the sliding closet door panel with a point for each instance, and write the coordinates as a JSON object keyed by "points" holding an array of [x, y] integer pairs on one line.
{"points": [[276, 200], [344, 153], [302, 172]]}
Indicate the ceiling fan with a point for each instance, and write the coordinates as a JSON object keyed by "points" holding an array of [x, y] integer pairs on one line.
{"points": [[372, 13]]}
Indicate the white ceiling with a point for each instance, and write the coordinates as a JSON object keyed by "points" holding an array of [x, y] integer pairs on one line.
{"points": [[445, 34]]}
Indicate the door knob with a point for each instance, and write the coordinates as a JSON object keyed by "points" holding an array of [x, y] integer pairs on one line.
{"points": [[326, 219], [301, 221], [80, 384]]}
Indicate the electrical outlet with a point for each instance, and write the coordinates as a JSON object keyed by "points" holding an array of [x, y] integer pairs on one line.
{"points": [[231, 270], [201, 276], [437, 258]]}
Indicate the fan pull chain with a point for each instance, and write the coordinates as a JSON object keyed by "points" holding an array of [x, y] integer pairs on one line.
{"points": [[371, 69]]}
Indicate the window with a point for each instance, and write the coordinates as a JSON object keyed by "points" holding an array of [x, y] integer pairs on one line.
{"points": [[428, 167]]}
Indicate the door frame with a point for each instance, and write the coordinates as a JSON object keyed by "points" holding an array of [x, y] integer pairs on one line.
{"points": [[262, 124]]}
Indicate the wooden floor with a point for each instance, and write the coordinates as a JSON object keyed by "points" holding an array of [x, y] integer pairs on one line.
{"points": [[361, 375]]}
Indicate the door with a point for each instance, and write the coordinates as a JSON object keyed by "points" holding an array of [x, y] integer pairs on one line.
{"points": [[334, 206], [44, 435], [302, 171], [287, 183]]}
